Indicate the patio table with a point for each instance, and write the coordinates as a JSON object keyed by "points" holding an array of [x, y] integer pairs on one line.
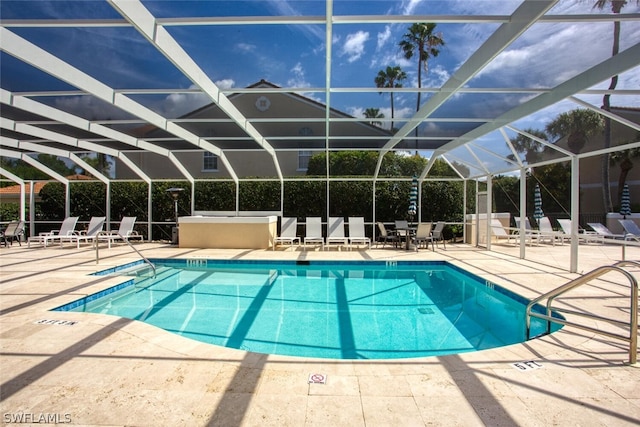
{"points": [[408, 232]]}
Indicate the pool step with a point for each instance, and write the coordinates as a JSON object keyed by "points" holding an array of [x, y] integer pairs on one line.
{"points": [[147, 277]]}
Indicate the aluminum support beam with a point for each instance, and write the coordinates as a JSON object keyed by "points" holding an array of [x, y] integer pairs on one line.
{"points": [[138, 15], [522, 18], [50, 64], [612, 66]]}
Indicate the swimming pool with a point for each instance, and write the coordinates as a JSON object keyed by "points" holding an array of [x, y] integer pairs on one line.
{"points": [[336, 310]]}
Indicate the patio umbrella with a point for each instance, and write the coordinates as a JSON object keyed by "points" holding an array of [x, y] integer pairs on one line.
{"points": [[413, 198], [625, 202], [537, 203]]}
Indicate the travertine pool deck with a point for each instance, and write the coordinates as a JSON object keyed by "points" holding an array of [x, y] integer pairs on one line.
{"points": [[105, 371]]}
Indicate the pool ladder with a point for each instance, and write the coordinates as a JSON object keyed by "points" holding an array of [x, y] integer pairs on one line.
{"points": [[550, 296], [145, 259]]}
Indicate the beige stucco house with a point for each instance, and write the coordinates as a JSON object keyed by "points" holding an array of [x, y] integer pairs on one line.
{"points": [[295, 140]]}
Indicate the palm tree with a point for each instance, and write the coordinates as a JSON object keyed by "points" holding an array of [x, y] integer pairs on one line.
{"points": [[625, 160], [392, 77], [577, 126], [99, 161], [531, 149], [616, 8], [374, 113], [421, 38]]}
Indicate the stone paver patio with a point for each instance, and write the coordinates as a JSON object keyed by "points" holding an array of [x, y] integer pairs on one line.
{"points": [[111, 371]]}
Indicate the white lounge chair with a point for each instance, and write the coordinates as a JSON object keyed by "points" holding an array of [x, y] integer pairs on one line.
{"points": [[498, 231], [565, 225], [583, 235], [603, 232], [313, 231], [124, 233], [335, 232], [96, 224], [632, 231], [288, 232], [529, 233], [356, 232], [546, 231], [66, 229]]}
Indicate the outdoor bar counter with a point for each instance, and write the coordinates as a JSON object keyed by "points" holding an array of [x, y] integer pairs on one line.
{"points": [[227, 232]]}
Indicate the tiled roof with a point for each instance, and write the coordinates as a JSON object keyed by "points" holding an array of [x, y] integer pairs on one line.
{"points": [[15, 189]]}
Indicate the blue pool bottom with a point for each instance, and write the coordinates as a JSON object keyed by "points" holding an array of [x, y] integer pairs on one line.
{"points": [[336, 310]]}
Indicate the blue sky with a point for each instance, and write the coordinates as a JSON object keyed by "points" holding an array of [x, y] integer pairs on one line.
{"points": [[294, 55]]}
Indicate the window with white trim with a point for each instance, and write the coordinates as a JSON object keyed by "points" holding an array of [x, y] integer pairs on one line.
{"points": [[209, 162], [304, 155], [303, 159]]}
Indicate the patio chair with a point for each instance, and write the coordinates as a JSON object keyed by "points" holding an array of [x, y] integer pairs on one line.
{"points": [[529, 233], [386, 235], [438, 234], [603, 233], [632, 231], [288, 232], [335, 232], [583, 235], [14, 231], [423, 236], [565, 225], [124, 233], [546, 231], [313, 231], [498, 231], [402, 227], [356, 232], [96, 224], [66, 229]]}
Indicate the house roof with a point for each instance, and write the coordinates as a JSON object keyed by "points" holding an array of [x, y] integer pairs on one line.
{"points": [[88, 77], [210, 121], [14, 190]]}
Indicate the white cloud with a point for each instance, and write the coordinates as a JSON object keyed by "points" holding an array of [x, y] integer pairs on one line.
{"points": [[90, 108], [353, 46], [178, 104], [286, 8], [383, 37], [409, 6], [390, 57], [437, 76], [225, 84], [246, 47], [298, 78], [356, 111], [399, 114], [548, 54]]}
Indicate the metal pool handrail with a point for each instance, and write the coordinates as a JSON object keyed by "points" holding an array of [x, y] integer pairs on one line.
{"points": [[550, 296], [106, 233]]}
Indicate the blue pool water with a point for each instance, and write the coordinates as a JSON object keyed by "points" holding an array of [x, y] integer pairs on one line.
{"points": [[343, 310]]}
